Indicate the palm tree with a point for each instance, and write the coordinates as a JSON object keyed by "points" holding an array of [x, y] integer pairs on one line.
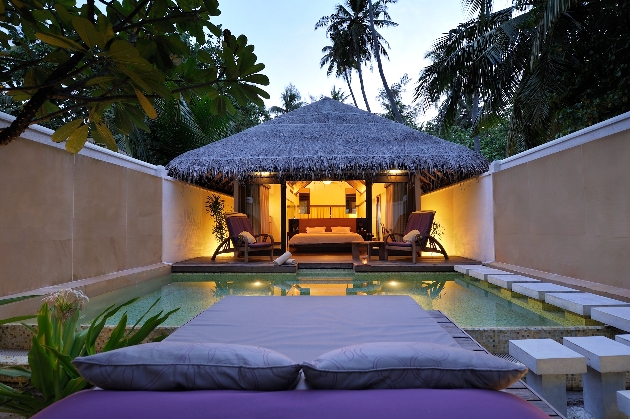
{"points": [[390, 97], [350, 28], [338, 63], [291, 100], [338, 95], [521, 59]]}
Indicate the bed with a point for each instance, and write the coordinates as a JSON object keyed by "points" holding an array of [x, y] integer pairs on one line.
{"points": [[303, 328], [325, 233]]}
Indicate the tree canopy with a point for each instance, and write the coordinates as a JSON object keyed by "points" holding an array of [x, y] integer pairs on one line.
{"points": [[117, 58], [553, 66]]}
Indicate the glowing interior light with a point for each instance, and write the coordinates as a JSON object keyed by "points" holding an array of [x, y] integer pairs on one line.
{"points": [[327, 182]]}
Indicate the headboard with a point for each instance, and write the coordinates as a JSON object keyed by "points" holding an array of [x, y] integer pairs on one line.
{"points": [[328, 223]]}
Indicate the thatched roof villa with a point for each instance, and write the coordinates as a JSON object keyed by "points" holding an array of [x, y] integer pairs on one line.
{"points": [[328, 142]]}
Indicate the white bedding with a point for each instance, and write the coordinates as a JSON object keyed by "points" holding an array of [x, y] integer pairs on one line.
{"points": [[324, 238]]}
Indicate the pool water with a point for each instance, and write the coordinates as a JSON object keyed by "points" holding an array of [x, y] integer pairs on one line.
{"points": [[468, 302]]}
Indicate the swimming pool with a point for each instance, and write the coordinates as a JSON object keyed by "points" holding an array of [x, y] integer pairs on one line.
{"points": [[467, 302]]}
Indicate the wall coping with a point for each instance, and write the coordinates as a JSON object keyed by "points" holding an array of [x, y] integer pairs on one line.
{"points": [[42, 135], [594, 132]]}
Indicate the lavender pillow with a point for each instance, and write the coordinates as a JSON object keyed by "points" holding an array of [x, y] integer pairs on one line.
{"points": [[189, 366], [409, 365]]}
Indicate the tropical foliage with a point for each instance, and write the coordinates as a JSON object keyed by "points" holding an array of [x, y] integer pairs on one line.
{"points": [[57, 340], [553, 66], [59, 57], [291, 100], [409, 113], [215, 206]]}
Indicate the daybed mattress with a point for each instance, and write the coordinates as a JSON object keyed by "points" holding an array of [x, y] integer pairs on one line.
{"points": [[303, 329], [315, 404], [301, 239]]}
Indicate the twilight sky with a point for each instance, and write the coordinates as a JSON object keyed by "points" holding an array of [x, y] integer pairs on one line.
{"points": [[283, 33]]}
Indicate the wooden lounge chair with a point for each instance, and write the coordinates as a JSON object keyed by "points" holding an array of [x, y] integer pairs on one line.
{"points": [[236, 224], [423, 242]]}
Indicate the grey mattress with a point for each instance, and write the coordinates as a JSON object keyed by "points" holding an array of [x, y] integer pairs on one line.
{"points": [[303, 328]]}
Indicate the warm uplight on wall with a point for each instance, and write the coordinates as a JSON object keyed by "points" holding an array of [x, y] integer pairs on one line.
{"points": [[262, 174], [394, 283], [395, 172], [327, 182], [257, 283]]}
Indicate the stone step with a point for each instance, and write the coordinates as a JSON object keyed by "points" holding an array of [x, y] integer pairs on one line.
{"points": [[507, 281], [465, 268], [581, 302], [618, 317], [537, 290], [482, 273]]}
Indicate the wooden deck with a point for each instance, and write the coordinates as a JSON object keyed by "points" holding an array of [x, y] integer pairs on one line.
{"points": [[519, 389], [262, 264]]}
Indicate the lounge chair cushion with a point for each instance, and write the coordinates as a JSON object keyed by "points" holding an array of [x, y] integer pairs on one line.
{"points": [[167, 366], [409, 365], [399, 244], [247, 236], [409, 236]]}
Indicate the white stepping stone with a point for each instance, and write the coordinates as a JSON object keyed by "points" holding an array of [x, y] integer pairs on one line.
{"points": [[581, 302], [465, 268], [482, 273], [537, 290], [549, 363], [618, 317], [625, 339], [623, 402], [607, 362], [507, 281]]}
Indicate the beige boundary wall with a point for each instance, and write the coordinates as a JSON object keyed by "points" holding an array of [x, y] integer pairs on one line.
{"points": [[561, 208], [66, 217]]}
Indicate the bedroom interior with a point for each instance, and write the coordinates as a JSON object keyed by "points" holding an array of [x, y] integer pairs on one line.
{"points": [[348, 210]]}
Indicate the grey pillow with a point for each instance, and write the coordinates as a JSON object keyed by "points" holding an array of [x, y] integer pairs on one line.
{"points": [[189, 366], [409, 365]]}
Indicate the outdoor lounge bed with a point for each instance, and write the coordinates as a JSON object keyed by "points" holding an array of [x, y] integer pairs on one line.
{"points": [[303, 329]]}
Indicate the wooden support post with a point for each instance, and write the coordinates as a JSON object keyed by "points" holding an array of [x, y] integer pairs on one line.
{"points": [[417, 185], [237, 190], [283, 215], [368, 206]]}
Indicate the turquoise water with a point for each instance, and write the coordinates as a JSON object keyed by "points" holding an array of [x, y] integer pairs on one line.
{"points": [[467, 302]]}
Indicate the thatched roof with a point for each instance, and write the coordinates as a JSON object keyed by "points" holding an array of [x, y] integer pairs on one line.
{"points": [[328, 140]]}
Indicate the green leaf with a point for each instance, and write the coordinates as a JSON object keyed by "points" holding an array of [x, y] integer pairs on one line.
{"points": [[117, 334], [65, 361], [204, 57], [87, 32], [137, 116], [77, 139], [99, 80], [74, 385], [148, 327], [146, 105], [99, 322], [122, 122], [41, 370], [257, 79], [135, 78], [15, 372], [17, 319], [64, 132], [105, 136], [58, 41], [63, 14]]}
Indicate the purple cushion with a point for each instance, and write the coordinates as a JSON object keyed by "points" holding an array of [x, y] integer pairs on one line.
{"points": [[307, 404], [399, 365], [189, 366]]}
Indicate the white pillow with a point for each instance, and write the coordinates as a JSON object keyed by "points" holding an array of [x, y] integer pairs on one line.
{"points": [[315, 229], [409, 236], [248, 237], [340, 229]]}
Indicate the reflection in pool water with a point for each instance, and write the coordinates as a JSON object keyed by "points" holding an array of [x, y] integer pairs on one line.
{"points": [[467, 302]]}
